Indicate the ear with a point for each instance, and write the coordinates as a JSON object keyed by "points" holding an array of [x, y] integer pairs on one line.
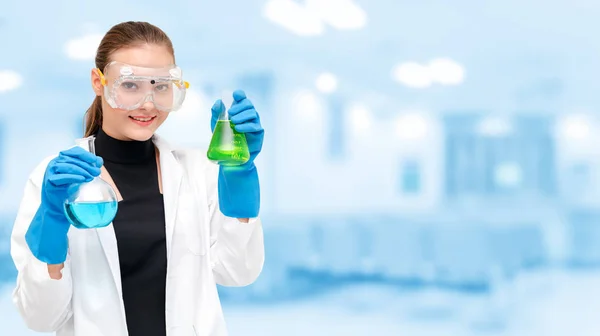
{"points": [[96, 78]]}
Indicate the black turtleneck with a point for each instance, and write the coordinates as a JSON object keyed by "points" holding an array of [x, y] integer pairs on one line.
{"points": [[140, 230]]}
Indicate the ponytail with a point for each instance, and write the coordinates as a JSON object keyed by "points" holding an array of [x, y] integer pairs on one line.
{"points": [[93, 117]]}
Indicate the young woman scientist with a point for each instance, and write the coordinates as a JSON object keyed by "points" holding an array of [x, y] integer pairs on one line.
{"points": [[183, 225]]}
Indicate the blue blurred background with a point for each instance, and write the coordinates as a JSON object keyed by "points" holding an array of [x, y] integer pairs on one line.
{"points": [[430, 167]]}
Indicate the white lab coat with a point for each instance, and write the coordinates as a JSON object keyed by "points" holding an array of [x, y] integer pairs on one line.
{"points": [[204, 248]]}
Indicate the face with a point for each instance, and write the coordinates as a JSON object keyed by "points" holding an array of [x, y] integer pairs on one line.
{"points": [[133, 125]]}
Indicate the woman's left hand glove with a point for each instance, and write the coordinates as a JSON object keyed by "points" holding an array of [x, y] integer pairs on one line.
{"points": [[239, 188]]}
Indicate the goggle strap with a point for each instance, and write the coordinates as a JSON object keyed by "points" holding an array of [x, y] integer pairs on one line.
{"points": [[102, 78]]}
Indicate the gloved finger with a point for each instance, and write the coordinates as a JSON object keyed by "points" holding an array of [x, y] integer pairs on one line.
{"points": [[91, 169], [238, 107], [79, 153], [83, 155], [251, 127], [72, 169], [217, 108], [244, 116], [239, 95], [67, 179]]}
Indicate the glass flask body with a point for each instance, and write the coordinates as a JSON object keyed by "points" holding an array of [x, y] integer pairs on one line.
{"points": [[227, 147], [92, 204]]}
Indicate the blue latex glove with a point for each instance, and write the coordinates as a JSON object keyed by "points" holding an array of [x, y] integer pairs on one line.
{"points": [[47, 233], [239, 188]]}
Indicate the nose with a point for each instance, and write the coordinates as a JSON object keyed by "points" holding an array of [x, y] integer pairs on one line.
{"points": [[148, 104]]}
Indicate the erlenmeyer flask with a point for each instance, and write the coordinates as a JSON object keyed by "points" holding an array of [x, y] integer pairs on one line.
{"points": [[228, 147], [93, 204]]}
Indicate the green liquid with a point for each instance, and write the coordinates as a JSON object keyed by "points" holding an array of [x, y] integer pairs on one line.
{"points": [[228, 147]]}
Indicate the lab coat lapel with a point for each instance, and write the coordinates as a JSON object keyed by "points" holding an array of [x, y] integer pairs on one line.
{"points": [[171, 174], [109, 245]]}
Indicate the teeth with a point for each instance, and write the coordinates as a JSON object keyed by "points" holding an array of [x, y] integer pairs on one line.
{"points": [[141, 119]]}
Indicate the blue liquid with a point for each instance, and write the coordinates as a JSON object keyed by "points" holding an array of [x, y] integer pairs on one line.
{"points": [[89, 215]]}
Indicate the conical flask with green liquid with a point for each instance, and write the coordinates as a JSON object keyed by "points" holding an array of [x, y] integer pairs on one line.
{"points": [[228, 147]]}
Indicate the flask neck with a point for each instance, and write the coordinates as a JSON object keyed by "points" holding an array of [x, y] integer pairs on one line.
{"points": [[87, 144], [224, 115]]}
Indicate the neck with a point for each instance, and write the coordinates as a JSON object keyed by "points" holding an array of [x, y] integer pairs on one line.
{"points": [[122, 151]]}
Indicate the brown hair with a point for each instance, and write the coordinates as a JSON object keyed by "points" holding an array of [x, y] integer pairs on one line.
{"points": [[122, 35]]}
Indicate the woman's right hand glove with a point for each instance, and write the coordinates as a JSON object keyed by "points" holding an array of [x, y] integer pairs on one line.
{"points": [[47, 233]]}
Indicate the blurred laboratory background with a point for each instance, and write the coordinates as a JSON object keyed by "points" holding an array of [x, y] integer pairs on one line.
{"points": [[431, 168]]}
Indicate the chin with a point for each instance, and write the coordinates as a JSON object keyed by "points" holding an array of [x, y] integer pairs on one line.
{"points": [[140, 135]]}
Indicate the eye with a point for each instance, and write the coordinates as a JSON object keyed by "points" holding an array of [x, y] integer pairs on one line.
{"points": [[162, 87], [129, 85]]}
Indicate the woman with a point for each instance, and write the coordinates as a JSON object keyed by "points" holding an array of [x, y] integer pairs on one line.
{"points": [[183, 224]]}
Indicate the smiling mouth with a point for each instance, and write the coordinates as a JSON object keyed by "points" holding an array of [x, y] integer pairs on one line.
{"points": [[143, 119]]}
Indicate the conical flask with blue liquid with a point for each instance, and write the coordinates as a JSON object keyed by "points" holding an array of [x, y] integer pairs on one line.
{"points": [[227, 147], [92, 204]]}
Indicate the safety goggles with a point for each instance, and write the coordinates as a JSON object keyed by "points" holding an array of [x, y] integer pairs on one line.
{"points": [[128, 87]]}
